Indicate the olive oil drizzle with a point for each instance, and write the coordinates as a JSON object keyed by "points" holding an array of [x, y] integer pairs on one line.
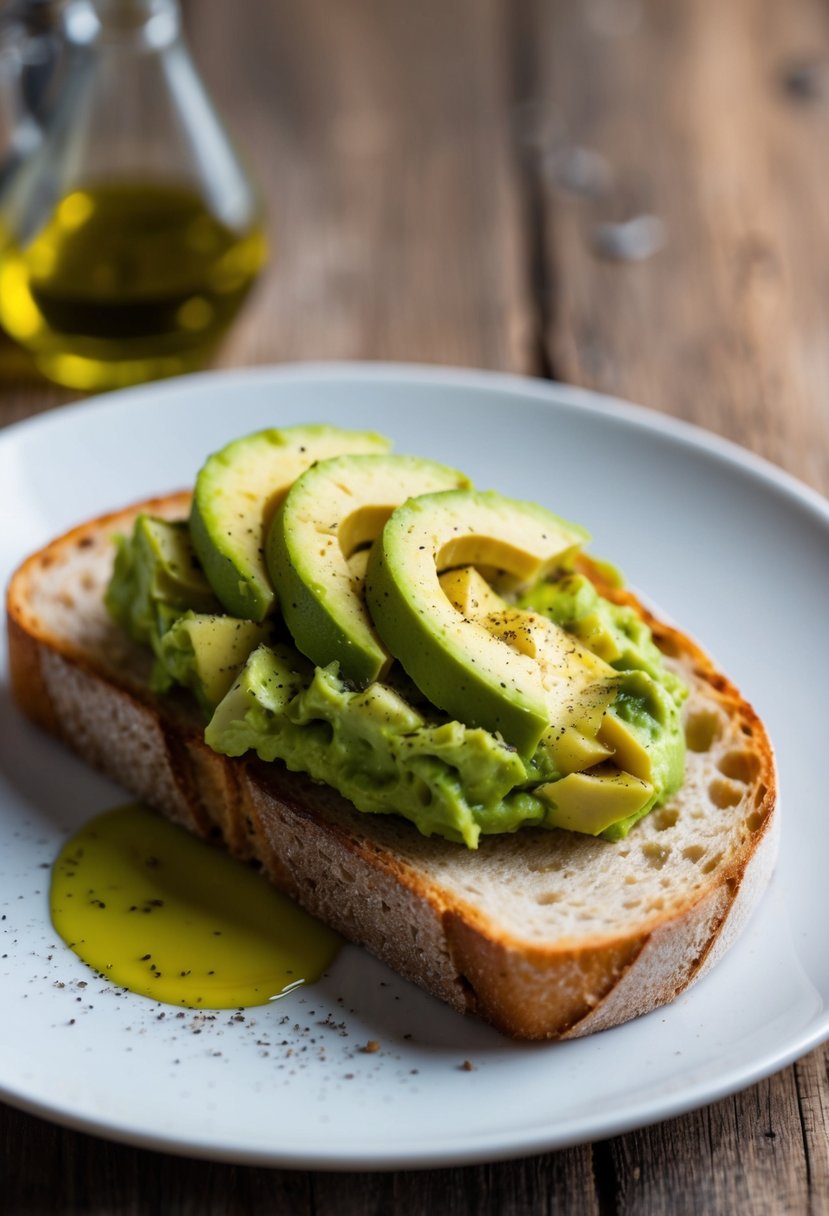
{"points": [[164, 915]]}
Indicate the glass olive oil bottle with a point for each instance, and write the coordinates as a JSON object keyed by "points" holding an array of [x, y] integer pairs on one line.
{"points": [[133, 234], [126, 282]]}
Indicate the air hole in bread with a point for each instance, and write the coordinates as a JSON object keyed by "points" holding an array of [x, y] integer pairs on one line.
{"points": [[665, 818], [755, 821], [724, 794], [656, 854], [701, 729], [712, 863], [548, 897], [670, 647], [694, 853], [384, 907], [740, 766], [631, 903], [346, 875], [467, 988], [631, 880], [760, 795], [656, 905]]}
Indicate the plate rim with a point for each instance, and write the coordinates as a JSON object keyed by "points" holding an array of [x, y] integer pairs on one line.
{"points": [[558, 392]]}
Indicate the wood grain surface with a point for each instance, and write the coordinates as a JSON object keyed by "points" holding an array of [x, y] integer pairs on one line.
{"points": [[626, 194]]}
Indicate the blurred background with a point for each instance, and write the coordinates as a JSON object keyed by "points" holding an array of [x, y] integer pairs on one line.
{"points": [[627, 194]]}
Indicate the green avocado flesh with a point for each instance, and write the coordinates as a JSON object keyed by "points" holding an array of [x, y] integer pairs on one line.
{"points": [[238, 489], [459, 662], [205, 652], [590, 739], [331, 512], [156, 573], [159, 594]]}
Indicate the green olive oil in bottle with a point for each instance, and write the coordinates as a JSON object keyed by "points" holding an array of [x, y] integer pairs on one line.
{"points": [[134, 234]]}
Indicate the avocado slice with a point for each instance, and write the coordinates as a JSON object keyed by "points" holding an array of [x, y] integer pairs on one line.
{"points": [[571, 751], [459, 663], [270, 679], [237, 491], [156, 576], [333, 511], [593, 802], [628, 750], [570, 748], [470, 593], [206, 651]]}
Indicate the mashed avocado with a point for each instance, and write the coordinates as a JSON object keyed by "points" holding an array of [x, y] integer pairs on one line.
{"points": [[649, 697], [375, 747], [384, 747], [385, 750], [159, 594]]}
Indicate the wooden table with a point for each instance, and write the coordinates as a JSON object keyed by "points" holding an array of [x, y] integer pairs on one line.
{"points": [[446, 179]]}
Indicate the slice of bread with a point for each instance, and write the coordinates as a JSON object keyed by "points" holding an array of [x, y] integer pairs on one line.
{"points": [[545, 933]]}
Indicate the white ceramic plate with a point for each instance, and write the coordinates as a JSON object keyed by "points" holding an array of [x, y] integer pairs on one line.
{"points": [[725, 544]]}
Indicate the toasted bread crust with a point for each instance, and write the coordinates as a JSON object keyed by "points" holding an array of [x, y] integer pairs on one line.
{"points": [[371, 877]]}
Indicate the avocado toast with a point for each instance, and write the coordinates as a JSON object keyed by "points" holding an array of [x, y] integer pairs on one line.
{"points": [[545, 932]]}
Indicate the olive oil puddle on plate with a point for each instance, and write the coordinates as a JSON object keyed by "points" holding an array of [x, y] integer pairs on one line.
{"points": [[159, 912]]}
